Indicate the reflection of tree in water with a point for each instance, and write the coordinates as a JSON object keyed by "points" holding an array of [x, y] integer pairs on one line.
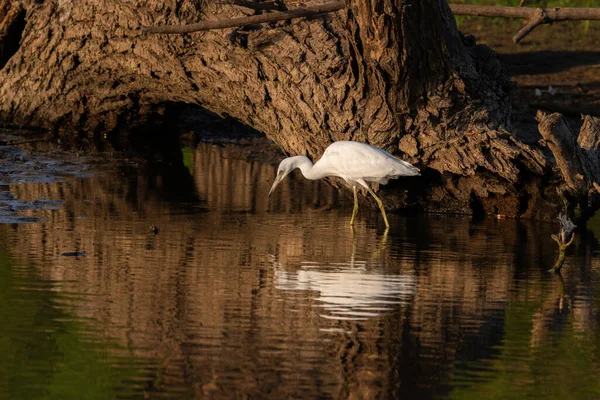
{"points": [[549, 345], [227, 182], [569, 303], [46, 352], [203, 302]]}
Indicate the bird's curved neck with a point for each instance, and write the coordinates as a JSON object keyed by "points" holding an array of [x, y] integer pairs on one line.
{"points": [[307, 168]]}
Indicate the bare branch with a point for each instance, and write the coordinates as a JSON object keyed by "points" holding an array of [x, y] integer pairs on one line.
{"points": [[254, 19], [554, 14], [536, 16], [492, 11], [264, 6]]}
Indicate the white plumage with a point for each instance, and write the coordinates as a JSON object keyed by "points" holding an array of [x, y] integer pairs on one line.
{"points": [[357, 163]]}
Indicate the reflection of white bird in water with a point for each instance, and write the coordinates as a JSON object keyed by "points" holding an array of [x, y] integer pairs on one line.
{"points": [[348, 292], [357, 163]]}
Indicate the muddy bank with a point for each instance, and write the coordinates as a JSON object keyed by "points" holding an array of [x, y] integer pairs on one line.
{"points": [[31, 156], [556, 68]]}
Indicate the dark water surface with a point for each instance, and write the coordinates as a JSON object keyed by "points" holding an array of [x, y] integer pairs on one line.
{"points": [[241, 296]]}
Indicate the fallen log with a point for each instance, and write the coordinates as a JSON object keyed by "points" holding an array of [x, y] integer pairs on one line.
{"points": [[369, 73]]}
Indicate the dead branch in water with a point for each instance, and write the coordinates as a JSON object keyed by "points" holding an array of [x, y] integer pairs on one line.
{"points": [[254, 19], [562, 239], [536, 16]]}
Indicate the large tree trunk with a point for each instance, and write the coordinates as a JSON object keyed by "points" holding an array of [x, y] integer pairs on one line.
{"points": [[393, 73]]}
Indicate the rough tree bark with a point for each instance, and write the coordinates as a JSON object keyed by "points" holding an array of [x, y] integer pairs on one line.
{"points": [[394, 73]]}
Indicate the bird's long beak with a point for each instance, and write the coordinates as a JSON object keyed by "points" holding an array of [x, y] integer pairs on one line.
{"points": [[278, 180]]}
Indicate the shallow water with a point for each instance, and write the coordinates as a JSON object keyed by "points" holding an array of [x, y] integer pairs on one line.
{"points": [[187, 281]]}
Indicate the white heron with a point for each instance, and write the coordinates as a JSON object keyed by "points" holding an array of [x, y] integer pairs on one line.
{"points": [[357, 163]]}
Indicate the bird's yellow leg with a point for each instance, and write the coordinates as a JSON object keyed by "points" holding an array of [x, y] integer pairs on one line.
{"points": [[355, 210], [380, 204]]}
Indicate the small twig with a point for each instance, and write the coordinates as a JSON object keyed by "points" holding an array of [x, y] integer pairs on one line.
{"points": [[570, 242], [254, 19], [536, 20], [521, 3]]}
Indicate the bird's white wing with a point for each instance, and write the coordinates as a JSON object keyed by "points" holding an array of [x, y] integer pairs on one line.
{"points": [[355, 160]]}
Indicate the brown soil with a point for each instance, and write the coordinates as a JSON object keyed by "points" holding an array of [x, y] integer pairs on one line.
{"points": [[565, 56]]}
